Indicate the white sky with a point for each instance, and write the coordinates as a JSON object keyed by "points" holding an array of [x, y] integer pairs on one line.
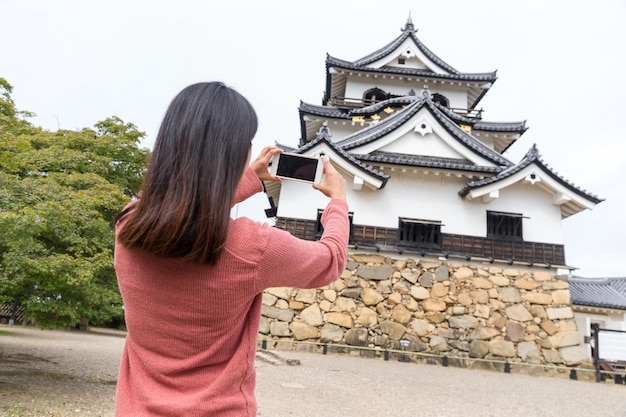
{"points": [[560, 67]]}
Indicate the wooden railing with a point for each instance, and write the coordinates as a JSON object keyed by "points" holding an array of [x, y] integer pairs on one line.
{"points": [[386, 239]]}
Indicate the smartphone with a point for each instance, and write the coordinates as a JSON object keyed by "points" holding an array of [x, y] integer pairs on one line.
{"points": [[297, 167]]}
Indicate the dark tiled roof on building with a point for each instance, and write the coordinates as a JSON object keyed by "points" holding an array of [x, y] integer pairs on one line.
{"points": [[409, 31], [598, 292], [532, 156], [393, 122], [325, 137], [426, 162]]}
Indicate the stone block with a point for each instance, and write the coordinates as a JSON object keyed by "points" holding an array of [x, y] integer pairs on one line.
{"points": [[463, 322], [511, 295], [499, 280], [376, 273], [438, 344], [421, 327], [331, 333], [515, 332], [280, 329], [480, 296], [478, 349], [312, 315], [529, 352], [371, 297], [401, 314], [549, 327], [435, 318], [482, 310], [340, 319], [302, 331], [269, 299], [519, 313], [393, 330], [410, 275], [464, 299], [367, 317], [483, 333], [264, 326], [551, 356], [502, 348], [356, 337], [559, 313], [527, 284], [482, 283], [330, 295], [419, 293], [574, 355], [561, 297], [458, 310], [563, 339], [537, 298], [442, 273], [277, 313], [280, 292], [463, 273], [344, 304], [438, 290], [432, 304], [306, 295]]}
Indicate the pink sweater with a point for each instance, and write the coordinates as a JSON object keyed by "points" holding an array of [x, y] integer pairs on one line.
{"points": [[193, 329]]}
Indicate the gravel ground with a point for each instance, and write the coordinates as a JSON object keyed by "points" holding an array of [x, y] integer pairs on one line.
{"points": [[73, 373]]}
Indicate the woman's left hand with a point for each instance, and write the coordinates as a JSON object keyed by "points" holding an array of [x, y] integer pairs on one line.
{"points": [[261, 164]]}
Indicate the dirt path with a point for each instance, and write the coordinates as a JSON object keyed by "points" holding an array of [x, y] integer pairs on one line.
{"points": [[72, 373]]}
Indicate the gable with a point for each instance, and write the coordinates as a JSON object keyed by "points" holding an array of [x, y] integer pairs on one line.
{"points": [[533, 175], [423, 135], [407, 55]]}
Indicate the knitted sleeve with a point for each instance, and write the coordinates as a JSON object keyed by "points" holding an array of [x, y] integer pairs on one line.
{"points": [[248, 186], [292, 262]]}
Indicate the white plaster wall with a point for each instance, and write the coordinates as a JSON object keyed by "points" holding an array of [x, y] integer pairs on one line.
{"points": [[415, 144], [356, 86], [432, 197]]}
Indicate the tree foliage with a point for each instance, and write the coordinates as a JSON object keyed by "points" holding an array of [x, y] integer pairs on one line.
{"points": [[59, 194]]}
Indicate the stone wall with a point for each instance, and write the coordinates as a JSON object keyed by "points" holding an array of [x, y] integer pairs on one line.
{"points": [[457, 310]]}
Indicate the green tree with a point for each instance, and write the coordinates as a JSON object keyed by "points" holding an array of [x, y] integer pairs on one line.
{"points": [[59, 194]]}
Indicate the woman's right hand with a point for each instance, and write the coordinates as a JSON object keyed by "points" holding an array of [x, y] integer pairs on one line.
{"points": [[333, 184]]}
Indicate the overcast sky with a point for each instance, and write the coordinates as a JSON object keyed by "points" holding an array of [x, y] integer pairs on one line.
{"points": [[560, 67]]}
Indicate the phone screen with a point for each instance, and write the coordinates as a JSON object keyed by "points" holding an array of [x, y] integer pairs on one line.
{"points": [[296, 167]]}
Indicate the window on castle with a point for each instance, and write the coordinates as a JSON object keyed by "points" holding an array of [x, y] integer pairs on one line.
{"points": [[319, 228], [417, 233], [401, 61], [440, 99], [374, 95], [504, 225]]}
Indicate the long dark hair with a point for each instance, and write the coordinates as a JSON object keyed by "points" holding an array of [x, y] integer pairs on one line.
{"points": [[199, 156]]}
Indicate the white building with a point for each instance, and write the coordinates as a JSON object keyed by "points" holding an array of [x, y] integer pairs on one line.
{"points": [[427, 174]]}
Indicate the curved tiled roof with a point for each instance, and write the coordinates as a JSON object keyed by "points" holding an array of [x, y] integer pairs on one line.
{"points": [[409, 31], [532, 156], [427, 162], [393, 122], [598, 292], [336, 62], [325, 137], [327, 111], [518, 127]]}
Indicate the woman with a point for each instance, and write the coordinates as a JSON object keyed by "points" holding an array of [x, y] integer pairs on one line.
{"points": [[191, 277]]}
